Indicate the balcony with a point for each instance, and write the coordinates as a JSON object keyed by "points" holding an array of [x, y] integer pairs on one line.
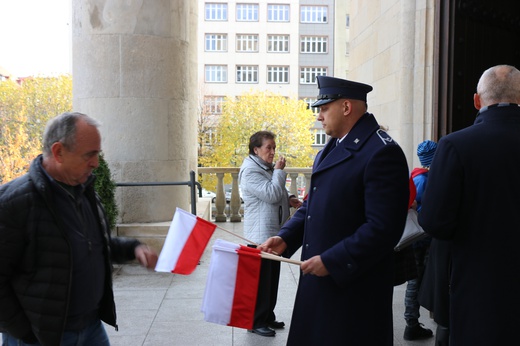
{"points": [[232, 212]]}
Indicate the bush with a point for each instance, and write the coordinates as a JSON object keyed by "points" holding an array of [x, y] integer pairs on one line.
{"points": [[106, 187]]}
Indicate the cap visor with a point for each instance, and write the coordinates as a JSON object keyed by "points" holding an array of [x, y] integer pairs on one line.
{"points": [[321, 102]]}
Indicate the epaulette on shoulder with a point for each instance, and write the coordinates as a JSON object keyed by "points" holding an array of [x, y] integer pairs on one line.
{"points": [[385, 137]]}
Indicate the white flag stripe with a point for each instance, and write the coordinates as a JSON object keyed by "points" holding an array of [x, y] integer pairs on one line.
{"points": [[182, 223], [218, 298]]}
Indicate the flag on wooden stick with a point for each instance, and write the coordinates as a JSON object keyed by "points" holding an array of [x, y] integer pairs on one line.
{"points": [[232, 285], [185, 242]]}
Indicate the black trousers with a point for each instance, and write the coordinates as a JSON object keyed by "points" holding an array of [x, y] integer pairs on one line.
{"points": [[267, 293]]}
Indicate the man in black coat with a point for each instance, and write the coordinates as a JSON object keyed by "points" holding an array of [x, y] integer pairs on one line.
{"points": [[55, 245], [352, 219], [472, 199]]}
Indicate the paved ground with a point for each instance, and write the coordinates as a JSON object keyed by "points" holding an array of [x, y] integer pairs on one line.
{"points": [[164, 309]]}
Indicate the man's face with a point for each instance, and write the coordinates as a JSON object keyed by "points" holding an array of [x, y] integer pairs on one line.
{"points": [[332, 118], [78, 163]]}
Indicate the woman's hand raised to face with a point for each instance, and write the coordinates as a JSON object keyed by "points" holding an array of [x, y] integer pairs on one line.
{"points": [[280, 164]]}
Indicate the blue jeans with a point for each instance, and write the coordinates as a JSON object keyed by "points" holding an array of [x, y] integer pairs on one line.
{"points": [[93, 335], [411, 311], [411, 302]]}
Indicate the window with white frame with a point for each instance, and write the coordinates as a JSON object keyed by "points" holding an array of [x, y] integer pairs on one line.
{"points": [[313, 14], [308, 74], [215, 74], [278, 43], [277, 74], [213, 104], [313, 44], [320, 137], [247, 74], [277, 13], [209, 135], [310, 101], [247, 12], [215, 11], [247, 43], [347, 20], [216, 43]]}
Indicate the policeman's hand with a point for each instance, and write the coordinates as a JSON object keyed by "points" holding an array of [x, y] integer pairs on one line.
{"points": [[314, 266], [146, 256], [274, 245]]}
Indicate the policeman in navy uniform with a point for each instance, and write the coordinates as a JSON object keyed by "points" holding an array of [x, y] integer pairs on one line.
{"points": [[348, 226]]}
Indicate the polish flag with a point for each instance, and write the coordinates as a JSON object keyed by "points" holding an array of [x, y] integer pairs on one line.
{"points": [[185, 242], [232, 285]]}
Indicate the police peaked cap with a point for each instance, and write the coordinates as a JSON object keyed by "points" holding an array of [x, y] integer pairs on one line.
{"points": [[332, 89]]}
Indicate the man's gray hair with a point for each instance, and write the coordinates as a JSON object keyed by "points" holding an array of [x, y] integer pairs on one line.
{"points": [[63, 129], [499, 83]]}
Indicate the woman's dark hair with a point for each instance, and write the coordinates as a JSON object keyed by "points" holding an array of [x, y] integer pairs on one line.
{"points": [[257, 139]]}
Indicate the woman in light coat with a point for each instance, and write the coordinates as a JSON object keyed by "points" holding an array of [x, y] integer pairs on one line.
{"points": [[266, 208]]}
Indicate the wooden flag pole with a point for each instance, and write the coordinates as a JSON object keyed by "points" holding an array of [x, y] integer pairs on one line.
{"points": [[272, 256], [278, 258], [236, 235]]}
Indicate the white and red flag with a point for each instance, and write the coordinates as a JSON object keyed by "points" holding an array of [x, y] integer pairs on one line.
{"points": [[185, 242], [232, 285]]}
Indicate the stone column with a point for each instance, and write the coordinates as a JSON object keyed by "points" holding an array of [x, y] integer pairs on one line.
{"points": [[134, 69]]}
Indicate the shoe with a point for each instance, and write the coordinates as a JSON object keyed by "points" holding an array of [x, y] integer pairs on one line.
{"points": [[276, 325], [417, 332], [263, 331]]}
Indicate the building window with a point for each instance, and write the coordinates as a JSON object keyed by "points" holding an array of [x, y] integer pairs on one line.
{"points": [[310, 101], [216, 11], [216, 74], [313, 44], [247, 12], [247, 43], [278, 43], [347, 20], [277, 74], [308, 74], [278, 13], [320, 137], [216, 42], [247, 74], [213, 104], [313, 14]]}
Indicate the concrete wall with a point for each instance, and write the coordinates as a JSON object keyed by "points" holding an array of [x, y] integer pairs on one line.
{"points": [[135, 69], [392, 49]]}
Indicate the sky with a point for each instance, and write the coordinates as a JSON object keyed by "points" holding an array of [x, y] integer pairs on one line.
{"points": [[35, 37]]}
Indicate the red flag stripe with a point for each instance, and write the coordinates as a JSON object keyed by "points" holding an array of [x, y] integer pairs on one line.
{"points": [[194, 247], [246, 288]]}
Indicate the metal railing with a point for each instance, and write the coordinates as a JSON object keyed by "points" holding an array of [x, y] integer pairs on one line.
{"points": [[191, 183], [233, 211]]}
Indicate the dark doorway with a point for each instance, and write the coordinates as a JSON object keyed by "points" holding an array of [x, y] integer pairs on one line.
{"points": [[473, 35]]}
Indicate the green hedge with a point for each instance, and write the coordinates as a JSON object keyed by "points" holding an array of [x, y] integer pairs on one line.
{"points": [[106, 187]]}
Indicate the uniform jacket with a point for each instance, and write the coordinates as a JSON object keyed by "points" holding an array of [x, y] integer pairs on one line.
{"points": [[472, 199], [35, 259], [353, 217], [266, 200]]}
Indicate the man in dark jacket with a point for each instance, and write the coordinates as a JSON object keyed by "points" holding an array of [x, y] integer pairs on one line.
{"points": [[353, 217], [472, 199], [55, 246]]}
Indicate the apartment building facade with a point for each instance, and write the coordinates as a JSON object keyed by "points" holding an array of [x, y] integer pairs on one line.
{"points": [[269, 45]]}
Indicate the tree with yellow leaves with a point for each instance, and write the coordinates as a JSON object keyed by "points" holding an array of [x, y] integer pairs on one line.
{"points": [[25, 108], [288, 118]]}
